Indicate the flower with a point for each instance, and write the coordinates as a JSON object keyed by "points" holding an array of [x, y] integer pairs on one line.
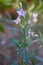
{"points": [[17, 20], [35, 15], [21, 12], [35, 20], [30, 32]]}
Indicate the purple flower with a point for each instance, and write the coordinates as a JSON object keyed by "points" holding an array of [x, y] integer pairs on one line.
{"points": [[17, 20], [30, 32], [21, 12]]}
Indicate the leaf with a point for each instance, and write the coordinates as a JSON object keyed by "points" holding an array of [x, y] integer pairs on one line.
{"points": [[26, 56], [15, 42], [38, 58], [2, 29]]}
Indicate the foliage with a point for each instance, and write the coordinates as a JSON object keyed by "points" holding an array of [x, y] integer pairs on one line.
{"points": [[2, 29], [28, 23]]}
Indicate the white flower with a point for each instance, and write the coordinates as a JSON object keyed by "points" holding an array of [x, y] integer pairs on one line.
{"points": [[35, 20], [18, 20], [21, 12], [35, 15]]}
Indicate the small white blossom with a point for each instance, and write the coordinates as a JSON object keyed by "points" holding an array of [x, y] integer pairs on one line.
{"points": [[35, 20], [35, 15]]}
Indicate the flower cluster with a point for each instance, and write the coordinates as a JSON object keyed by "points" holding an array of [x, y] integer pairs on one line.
{"points": [[20, 12], [33, 19], [30, 32], [35, 15]]}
